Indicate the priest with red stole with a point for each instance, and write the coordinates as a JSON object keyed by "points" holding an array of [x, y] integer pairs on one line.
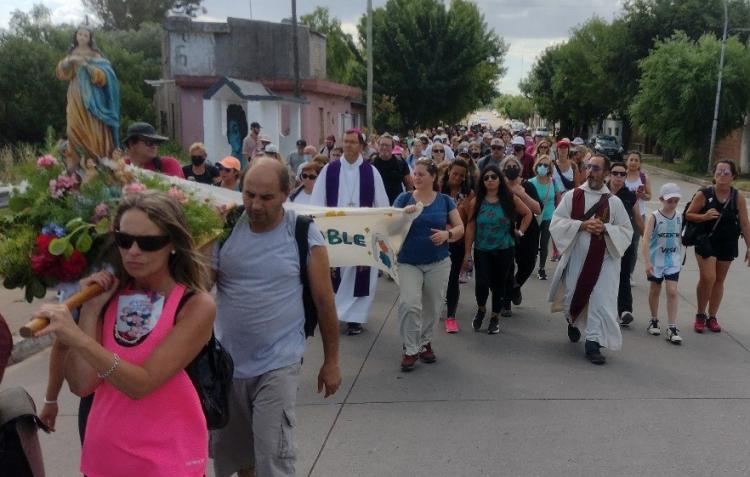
{"points": [[592, 230], [351, 182]]}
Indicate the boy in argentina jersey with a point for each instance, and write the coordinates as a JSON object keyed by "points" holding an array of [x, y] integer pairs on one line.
{"points": [[662, 256]]}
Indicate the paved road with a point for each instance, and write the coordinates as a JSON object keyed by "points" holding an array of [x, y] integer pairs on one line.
{"points": [[521, 403]]}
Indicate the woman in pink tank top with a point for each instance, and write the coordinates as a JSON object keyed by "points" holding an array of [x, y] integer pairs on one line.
{"points": [[133, 342]]}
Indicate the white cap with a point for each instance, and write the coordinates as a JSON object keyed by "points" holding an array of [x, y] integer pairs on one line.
{"points": [[578, 141], [518, 141], [487, 135], [670, 190], [271, 148]]}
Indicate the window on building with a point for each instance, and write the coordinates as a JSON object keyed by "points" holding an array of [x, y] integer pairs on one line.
{"points": [[617, 131]]}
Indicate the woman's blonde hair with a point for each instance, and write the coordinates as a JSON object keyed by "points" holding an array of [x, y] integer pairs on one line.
{"points": [[187, 265], [314, 165], [197, 147]]}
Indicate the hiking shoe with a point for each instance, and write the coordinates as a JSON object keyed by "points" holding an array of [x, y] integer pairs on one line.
{"points": [[451, 325], [713, 324], [555, 258], [427, 355], [574, 334], [626, 318], [494, 326], [353, 329], [673, 335], [541, 274], [700, 323], [478, 318], [408, 361], [653, 328], [516, 298], [593, 354]]}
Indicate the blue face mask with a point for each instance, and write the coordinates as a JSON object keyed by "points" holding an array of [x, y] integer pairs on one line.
{"points": [[542, 170], [307, 157]]}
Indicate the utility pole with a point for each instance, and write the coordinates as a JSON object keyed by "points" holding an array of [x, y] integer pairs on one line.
{"points": [[715, 124], [295, 47], [369, 66]]}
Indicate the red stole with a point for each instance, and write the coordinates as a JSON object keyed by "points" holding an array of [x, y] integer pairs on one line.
{"points": [[592, 265]]}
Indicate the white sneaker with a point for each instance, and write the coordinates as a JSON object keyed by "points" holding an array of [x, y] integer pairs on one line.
{"points": [[673, 335], [653, 328]]}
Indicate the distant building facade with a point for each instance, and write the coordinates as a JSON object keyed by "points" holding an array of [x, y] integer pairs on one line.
{"points": [[214, 71]]}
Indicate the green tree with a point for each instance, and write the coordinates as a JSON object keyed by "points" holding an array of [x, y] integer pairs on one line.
{"points": [[341, 52], [435, 63], [514, 106], [675, 101], [130, 14]]}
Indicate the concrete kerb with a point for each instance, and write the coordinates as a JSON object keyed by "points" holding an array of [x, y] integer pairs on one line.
{"points": [[651, 169]]}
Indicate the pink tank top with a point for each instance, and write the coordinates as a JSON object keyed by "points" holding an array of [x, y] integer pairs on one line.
{"points": [[162, 434]]}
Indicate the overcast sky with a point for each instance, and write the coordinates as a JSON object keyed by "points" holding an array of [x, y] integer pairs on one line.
{"points": [[529, 26]]}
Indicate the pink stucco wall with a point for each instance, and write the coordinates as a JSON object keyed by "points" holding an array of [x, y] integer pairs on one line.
{"points": [[191, 117], [332, 106]]}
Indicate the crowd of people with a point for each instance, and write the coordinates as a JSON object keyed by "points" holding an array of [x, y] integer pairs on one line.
{"points": [[495, 202]]}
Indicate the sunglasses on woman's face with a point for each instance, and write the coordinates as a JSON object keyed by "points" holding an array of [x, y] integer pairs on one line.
{"points": [[619, 173], [490, 177], [543, 147], [439, 151], [312, 177], [147, 243]]}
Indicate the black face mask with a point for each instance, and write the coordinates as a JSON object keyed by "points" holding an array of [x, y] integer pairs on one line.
{"points": [[475, 155], [512, 173], [197, 160]]}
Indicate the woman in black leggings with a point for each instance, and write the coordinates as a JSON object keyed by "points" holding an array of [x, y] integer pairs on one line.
{"points": [[491, 230], [455, 183]]}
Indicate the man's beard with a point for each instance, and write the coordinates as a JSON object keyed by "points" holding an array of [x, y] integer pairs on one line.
{"points": [[594, 183]]}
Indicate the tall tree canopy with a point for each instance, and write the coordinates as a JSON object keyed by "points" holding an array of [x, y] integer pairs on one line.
{"points": [[130, 14], [514, 106], [436, 63], [675, 103]]}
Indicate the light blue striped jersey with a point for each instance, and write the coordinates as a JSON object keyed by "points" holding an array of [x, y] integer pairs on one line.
{"points": [[665, 249]]}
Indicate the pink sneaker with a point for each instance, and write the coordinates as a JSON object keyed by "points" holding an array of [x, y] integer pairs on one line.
{"points": [[451, 325]]}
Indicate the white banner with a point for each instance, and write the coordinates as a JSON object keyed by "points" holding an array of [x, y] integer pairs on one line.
{"points": [[355, 236]]}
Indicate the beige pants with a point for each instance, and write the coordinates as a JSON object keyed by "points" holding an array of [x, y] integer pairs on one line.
{"points": [[423, 289]]}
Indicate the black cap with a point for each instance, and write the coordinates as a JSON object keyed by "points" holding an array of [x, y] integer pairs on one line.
{"points": [[143, 130], [254, 124], [301, 143]]}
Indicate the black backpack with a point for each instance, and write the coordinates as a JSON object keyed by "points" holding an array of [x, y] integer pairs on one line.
{"points": [[211, 373]]}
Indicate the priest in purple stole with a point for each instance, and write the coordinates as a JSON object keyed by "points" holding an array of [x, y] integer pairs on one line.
{"points": [[592, 230], [351, 182]]}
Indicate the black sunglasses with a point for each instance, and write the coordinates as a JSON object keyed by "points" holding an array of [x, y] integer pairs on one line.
{"points": [[308, 176], [438, 150], [490, 177], [495, 148], [619, 173], [147, 243]]}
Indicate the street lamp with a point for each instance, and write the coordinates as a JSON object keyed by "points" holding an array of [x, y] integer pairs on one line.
{"points": [[715, 124]]}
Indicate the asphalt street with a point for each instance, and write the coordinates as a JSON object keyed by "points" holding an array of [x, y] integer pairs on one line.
{"points": [[521, 403]]}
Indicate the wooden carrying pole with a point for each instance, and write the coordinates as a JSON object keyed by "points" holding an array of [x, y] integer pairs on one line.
{"points": [[38, 323]]}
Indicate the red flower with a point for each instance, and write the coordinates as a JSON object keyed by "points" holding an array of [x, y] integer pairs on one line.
{"points": [[71, 268], [42, 263], [43, 241]]}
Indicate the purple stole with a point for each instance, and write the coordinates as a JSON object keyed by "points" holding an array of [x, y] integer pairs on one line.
{"points": [[592, 265], [366, 199]]}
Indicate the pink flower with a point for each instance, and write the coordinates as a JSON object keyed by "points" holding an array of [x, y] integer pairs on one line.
{"points": [[133, 188], [101, 211], [63, 183], [45, 162], [177, 195]]}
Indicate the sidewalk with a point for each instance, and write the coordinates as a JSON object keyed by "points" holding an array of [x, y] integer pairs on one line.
{"points": [[17, 311]]}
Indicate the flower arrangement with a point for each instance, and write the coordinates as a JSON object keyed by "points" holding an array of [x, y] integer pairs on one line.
{"points": [[57, 226]]}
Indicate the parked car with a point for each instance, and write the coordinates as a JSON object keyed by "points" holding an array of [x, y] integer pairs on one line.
{"points": [[541, 132], [607, 145]]}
